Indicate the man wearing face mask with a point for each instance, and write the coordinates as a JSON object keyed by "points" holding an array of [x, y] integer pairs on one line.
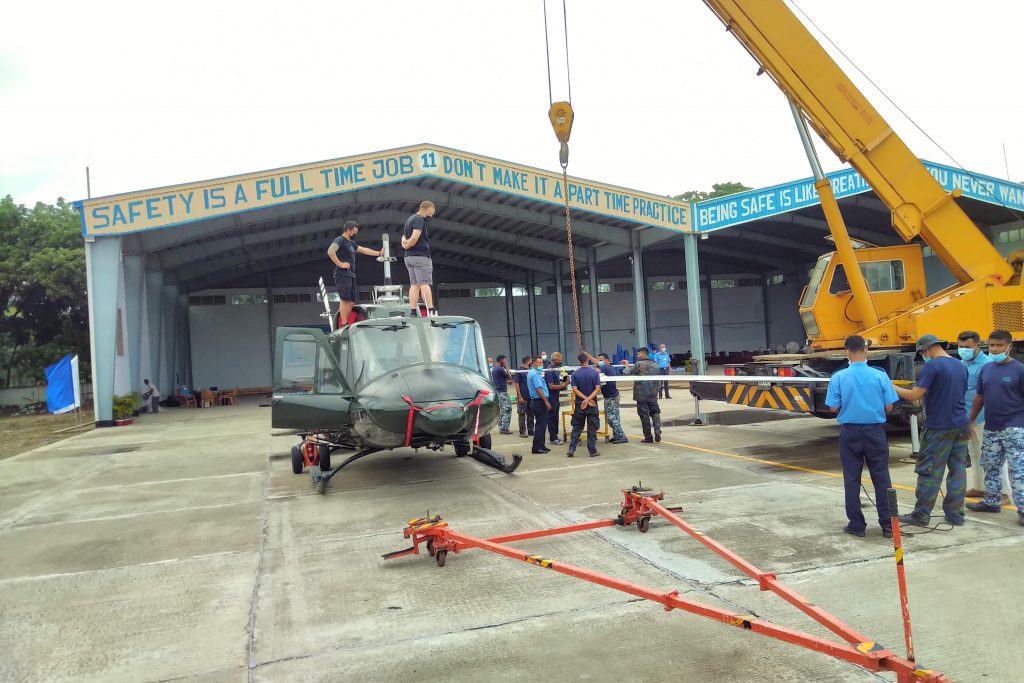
{"points": [[523, 407], [557, 378], [610, 393], [1001, 395], [942, 383], [544, 360], [664, 361], [342, 253], [974, 359], [540, 404], [416, 242], [862, 395]]}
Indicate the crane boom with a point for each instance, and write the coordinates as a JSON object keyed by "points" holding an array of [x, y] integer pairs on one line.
{"points": [[857, 133]]}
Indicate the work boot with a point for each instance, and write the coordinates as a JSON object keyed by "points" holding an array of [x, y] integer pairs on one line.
{"points": [[523, 435], [657, 437], [982, 506], [556, 442], [505, 431], [594, 454], [912, 520], [887, 533], [647, 439], [621, 440], [570, 454], [853, 532], [955, 521]]}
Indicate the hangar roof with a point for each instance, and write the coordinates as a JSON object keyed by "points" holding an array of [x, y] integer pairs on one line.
{"points": [[494, 218]]}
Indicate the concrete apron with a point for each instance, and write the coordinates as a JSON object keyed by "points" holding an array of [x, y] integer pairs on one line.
{"points": [[184, 546]]}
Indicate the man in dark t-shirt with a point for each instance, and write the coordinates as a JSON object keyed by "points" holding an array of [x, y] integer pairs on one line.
{"points": [[942, 383], [500, 377], [342, 253], [586, 385], [523, 406], [557, 379], [416, 242], [1001, 395]]}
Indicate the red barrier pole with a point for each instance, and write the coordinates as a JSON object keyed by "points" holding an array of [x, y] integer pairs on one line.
{"points": [[901, 578]]}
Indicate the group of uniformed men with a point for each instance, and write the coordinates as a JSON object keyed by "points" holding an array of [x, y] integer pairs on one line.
{"points": [[540, 383], [974, 406]]}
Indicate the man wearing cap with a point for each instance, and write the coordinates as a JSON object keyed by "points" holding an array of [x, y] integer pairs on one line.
{"points": [[942, 383], [862, 395], [500, 377], [345, 267]]}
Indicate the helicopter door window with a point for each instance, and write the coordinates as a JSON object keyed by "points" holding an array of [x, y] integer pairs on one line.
{"points": [[327, 379], [298, 364]]}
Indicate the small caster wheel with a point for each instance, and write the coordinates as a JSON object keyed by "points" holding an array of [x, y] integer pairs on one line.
{"points": [[430, 547], [643, 524], [441, 556]]}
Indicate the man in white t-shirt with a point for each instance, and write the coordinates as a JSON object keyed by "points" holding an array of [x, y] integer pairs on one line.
{"points": [[152, 394]]}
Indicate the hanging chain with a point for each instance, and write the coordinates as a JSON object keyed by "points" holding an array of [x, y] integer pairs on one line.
{"points": [[572, 260]]}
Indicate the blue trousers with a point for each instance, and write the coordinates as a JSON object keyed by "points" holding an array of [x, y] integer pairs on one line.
{"points": [[861, 445], [540, 412]]}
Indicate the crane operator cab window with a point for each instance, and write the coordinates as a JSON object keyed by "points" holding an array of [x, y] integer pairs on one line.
{"points": [[458, 342], [881, 276]]}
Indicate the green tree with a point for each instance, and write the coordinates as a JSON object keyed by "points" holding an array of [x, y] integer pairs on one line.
{"points": [[42, 289], [717, 190]]}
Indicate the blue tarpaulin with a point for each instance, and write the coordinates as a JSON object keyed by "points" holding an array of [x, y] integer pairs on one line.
{"points": [[62, 393]]}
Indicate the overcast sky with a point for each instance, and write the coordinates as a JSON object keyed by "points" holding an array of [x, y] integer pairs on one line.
{"points": [[151, 94]]}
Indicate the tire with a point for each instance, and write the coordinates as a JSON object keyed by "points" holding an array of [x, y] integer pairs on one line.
{"points": [[643, 524], [440, 557], [297, 463], [325, 457], [485, 441], [462, 449]]}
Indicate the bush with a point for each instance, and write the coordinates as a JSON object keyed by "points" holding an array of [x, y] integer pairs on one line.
{"points": [[125, 406]]}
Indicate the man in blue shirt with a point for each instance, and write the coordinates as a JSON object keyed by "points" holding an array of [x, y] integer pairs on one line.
{"points": [[500, 377], [557, 378], [664, 361], [862, 395], [942, 383], [523, 398], [586, 384], [1001, 395], [974, 359], [538, 388]]}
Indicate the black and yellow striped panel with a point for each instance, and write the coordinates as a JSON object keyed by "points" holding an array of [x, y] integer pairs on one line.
{"points": [[794, 398]]}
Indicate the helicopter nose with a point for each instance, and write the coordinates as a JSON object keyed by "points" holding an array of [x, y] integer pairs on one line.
{"points": [[444, 420]]}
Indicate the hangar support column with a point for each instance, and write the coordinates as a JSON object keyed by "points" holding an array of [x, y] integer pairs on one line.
{"points": [[154, 313], [134, 291], [560, 310], [639, 288], [693, 302], [595, 307], [168, 351], [531, 284], [102, 257]]}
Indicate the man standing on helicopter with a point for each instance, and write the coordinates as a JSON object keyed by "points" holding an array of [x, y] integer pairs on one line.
{"points": [[345, 268]]}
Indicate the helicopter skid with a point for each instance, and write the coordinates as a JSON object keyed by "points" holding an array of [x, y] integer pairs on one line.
{"points": [[320, 478], [495, 460]]}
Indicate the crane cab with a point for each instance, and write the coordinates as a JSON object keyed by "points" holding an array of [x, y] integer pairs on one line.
{"points": [[895, 279]]}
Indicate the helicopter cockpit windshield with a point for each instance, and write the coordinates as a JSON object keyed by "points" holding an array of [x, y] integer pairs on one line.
{"points": [[458, 342], [377, 348]]}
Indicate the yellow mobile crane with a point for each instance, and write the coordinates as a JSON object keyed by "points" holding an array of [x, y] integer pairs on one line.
{"points": [[838, 301]]}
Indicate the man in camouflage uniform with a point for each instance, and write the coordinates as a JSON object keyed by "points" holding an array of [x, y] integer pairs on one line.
{"points": [[645, 393], [610, 392], [1001, 395], [942, 383]]}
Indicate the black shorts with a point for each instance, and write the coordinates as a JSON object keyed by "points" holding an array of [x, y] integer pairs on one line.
{"points": [[347, 288]]}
